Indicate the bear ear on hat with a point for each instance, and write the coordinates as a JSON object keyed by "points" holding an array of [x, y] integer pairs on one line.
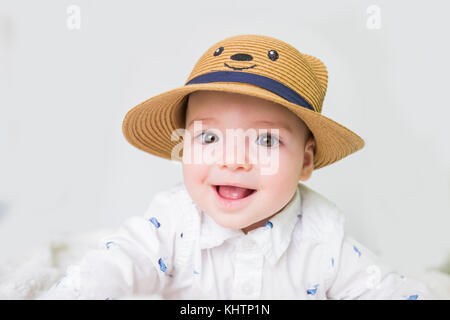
{"points": [[319, 69]]}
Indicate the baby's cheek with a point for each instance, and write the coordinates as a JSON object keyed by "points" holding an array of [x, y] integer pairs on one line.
{"points": [[194, 171], [283, 182], [282, 164], [194, 176]]}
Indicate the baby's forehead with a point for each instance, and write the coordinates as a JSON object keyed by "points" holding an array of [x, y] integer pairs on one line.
{"points": [[249, 111]]}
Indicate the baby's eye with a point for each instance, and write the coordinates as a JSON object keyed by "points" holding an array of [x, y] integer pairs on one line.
{"points": [[268, 140], [208, 137]]}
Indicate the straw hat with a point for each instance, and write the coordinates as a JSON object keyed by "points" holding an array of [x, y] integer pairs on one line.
{"points": [[255, 65]]}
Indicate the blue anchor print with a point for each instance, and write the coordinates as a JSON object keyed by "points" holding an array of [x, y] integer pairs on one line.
{"points": [[155, 222], [332, 261], [413, 297], [162, 266], [109, 244], [357, 251], [313, 290]]}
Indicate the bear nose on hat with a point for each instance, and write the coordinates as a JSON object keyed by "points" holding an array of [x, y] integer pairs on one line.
{"points": [[241, 57]]}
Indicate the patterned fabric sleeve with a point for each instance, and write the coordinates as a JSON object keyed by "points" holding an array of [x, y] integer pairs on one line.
{"points": [[135, 260], [360, 274]]}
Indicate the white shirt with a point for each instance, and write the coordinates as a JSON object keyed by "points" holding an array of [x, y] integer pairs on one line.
{"points": [[177, 251]]}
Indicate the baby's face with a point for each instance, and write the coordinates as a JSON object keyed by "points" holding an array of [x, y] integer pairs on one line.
{"points": [[235, 191]]}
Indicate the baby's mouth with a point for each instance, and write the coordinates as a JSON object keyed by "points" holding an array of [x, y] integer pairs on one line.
{"points": [[233, 192]]}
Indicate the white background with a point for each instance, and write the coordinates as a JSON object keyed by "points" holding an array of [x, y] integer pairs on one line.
{"points": [[65, 167]]}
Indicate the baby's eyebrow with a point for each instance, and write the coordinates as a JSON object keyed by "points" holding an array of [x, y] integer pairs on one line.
{"points": [[273, 124], [201, 119], [256, 122]]}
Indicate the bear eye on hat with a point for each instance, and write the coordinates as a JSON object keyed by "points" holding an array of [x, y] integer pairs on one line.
{"points": [[255, 65]]}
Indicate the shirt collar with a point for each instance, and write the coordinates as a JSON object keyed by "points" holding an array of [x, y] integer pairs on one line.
{"points": [[272, 239], [213, 234]]}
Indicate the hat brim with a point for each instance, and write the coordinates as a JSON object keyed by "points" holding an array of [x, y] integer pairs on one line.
{"points": [[149, 125]]}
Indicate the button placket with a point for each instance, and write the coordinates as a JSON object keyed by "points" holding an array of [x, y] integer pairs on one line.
{"points": [[247, 288], [248, 271]]}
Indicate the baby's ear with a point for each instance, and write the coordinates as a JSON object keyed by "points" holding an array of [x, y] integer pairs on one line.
{"points": [[313, 143], [319, 69]]}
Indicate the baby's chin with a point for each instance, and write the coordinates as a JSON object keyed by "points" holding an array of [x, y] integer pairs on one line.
{"points": [[235, 220]]}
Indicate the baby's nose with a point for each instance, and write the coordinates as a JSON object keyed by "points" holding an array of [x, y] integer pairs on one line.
{"points": [[235, 154], [235, 166], [235, 162]]}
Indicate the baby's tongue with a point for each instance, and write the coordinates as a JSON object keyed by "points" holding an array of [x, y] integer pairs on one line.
{"points": [[231, 192]]}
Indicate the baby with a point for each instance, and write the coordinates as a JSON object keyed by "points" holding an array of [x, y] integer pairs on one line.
{"points": [[222, 190], [241, 225]]}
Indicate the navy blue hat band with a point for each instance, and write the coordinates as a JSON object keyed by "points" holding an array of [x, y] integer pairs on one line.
{"points": [[254, 79]]}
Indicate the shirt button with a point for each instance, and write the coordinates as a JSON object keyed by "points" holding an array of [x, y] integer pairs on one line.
{"points": [[247, 288]]}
